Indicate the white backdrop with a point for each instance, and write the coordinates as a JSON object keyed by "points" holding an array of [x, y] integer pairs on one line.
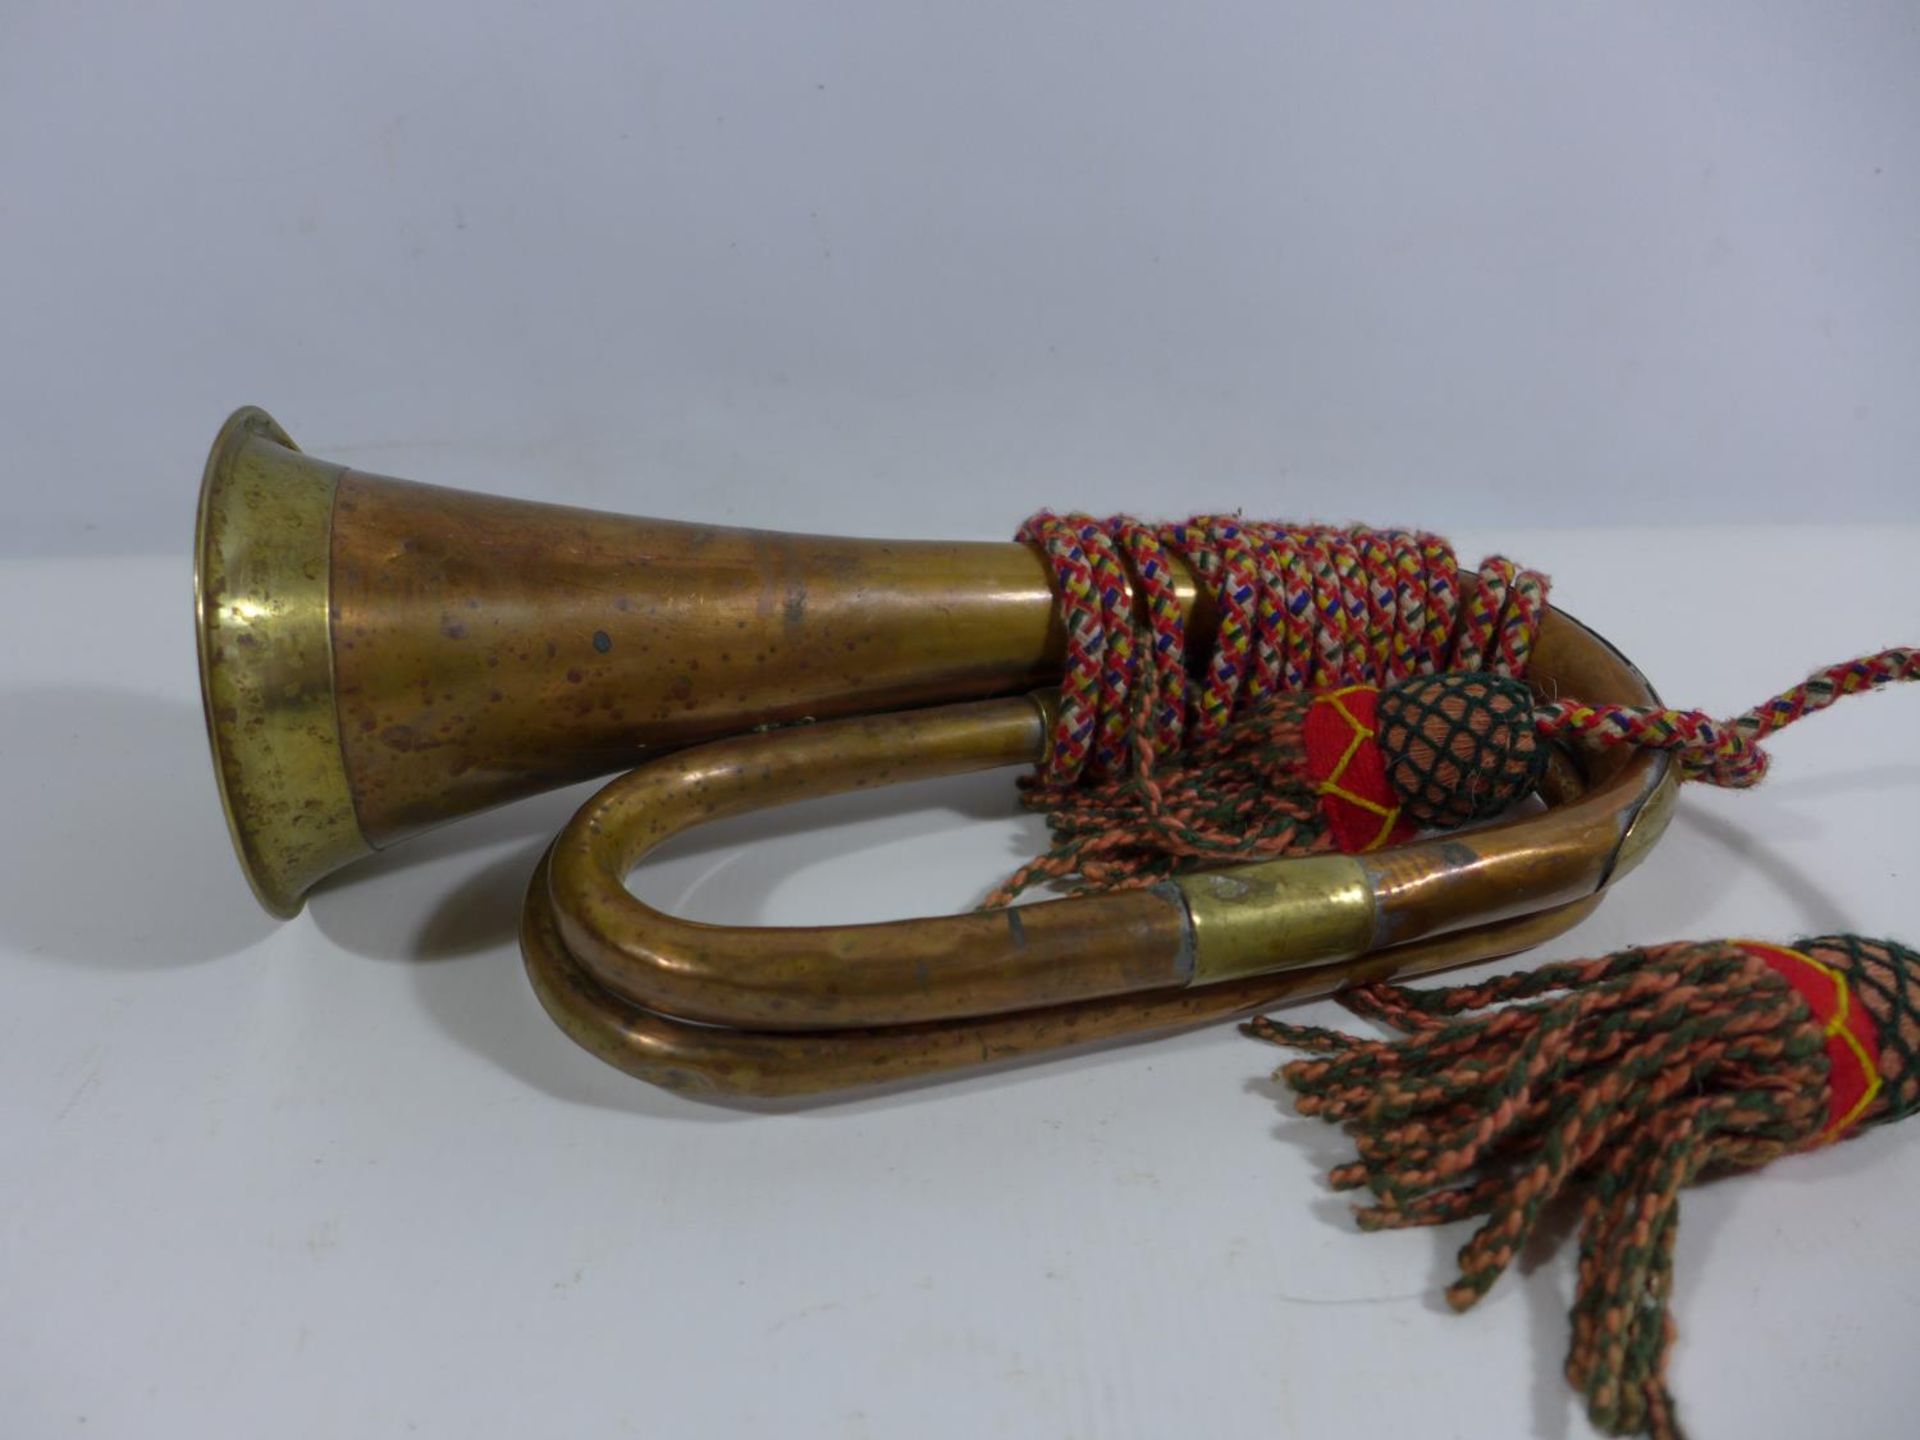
{"points": [[918, 268], [1584, 283]]}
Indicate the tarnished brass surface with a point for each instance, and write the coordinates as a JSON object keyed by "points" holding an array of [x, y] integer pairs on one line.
{"points": [[1647, 825], [489, 648], [1323, 906], [484, 649], [899, 972], [380, 656], [715, 1061], [260, 581], [791, 1010]]}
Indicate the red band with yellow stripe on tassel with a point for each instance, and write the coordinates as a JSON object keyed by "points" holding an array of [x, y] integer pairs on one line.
{"points": [[1619, 1080]]}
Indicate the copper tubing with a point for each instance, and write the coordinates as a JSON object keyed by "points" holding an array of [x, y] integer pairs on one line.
{"points": [[778, 1011], [379, 656], [712, 1061]]}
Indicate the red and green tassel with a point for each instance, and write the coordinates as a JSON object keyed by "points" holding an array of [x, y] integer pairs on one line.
{"points": [[1618, 1081], [1352, 769], [1363, 766]]}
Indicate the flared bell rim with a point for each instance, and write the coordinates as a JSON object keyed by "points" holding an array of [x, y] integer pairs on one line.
{"points": [[262, 542]]}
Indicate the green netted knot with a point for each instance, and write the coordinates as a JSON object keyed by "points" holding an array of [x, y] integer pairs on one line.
{"points": [[1459, 747]]}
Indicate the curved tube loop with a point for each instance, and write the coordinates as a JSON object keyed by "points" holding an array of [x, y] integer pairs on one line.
{"points": [[790, 1010], [715, 1062]]}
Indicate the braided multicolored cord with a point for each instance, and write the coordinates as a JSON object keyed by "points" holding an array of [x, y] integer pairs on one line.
{"points": [[1160, 764], [1355, 692], [1725, 752], [1298, 608]]}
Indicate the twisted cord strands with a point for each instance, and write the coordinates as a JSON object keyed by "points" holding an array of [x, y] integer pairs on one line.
{"points": [[1725, 752], [1080, 677], [1269, 676], [1622, 1079], [1166, 628], [1298, 608], [1309, 609], [1116, 618], [1383, 601], [1346, 659], [1471, 651], [1442, 574], [1221, 555], [1214, 801]]}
